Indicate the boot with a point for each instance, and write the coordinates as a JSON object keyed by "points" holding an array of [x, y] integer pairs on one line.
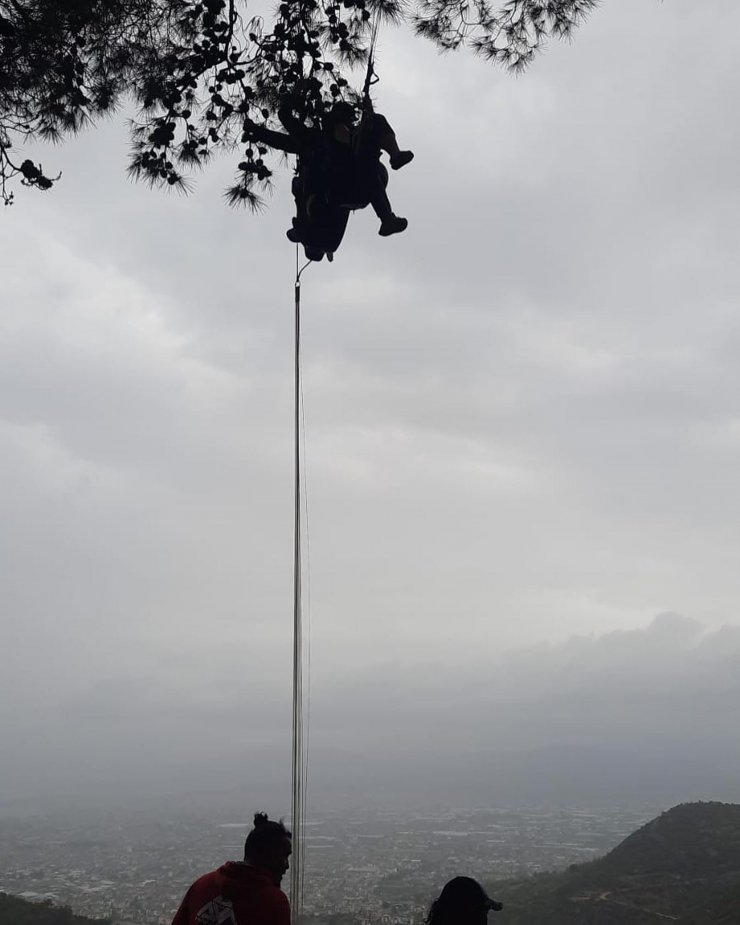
{"points": [[401, 159], [392, 225]]}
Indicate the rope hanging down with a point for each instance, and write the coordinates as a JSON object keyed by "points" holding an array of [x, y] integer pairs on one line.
{"points": [[299, 767], [299, 770]]}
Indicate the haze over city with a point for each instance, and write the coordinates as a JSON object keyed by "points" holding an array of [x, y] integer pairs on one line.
{"points": [[522, 447]]}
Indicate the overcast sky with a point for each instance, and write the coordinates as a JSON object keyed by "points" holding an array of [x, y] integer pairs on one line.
{"points": [[522, 436]]}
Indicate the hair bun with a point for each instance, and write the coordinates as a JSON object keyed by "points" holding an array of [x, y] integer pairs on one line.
{"points": [[260, 819]]}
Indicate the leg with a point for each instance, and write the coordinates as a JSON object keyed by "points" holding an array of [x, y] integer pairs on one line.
{"points": [[379, 198], [389, 222], [385, 138]]}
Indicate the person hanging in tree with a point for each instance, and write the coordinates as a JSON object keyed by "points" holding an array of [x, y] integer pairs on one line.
{"points": [[244, 892], [341, 161], [363, 143]]}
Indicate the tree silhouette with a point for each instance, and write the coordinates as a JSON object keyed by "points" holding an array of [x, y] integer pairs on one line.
{"points": [[206, 75]]}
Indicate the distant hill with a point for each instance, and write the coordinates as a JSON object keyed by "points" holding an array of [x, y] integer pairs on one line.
{"points": [[17, 911], [682, 867]]}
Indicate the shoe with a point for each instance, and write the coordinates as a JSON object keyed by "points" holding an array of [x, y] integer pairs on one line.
{"points": [[401, 159], [393, 225]]}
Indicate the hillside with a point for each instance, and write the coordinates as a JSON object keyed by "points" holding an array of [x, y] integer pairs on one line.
{"points": [[683, 867], [17, 911]]}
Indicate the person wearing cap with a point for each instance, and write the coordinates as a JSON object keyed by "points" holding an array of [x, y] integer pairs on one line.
{"points": [[463, 901], [244, 892]]}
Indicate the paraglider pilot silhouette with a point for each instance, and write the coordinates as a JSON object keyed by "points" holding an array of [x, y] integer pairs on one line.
{"points": [[339, 170]]}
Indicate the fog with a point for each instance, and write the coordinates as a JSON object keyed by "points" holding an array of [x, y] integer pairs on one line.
{"points": [[521, 435]]}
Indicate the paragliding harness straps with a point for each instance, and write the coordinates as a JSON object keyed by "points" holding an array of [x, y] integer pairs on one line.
{"points": [[371, 78], [359, 138]]}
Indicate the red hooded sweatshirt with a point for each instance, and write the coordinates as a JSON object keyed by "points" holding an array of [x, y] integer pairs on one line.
{"points": [[235, 894]]}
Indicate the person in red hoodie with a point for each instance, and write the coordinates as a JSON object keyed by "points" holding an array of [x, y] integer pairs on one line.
{"points": [[244, 892]]}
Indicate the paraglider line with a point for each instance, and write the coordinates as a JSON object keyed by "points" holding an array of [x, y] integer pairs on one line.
{"points": [[299, 768]]}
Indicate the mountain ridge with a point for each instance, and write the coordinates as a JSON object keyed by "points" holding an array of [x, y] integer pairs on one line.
{"points": [[14, 910], [683, 866]]}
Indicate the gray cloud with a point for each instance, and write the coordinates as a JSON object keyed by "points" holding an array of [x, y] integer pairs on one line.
{"points": [[641, 715], [521, 425]]}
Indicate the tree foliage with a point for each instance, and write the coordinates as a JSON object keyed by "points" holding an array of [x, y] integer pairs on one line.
{"points": [[208, 74]]}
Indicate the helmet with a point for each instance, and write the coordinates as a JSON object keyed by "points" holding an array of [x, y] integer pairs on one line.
{"points": [[342, 112]]}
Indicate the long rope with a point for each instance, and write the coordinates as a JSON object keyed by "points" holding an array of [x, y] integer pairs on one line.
{"points": [[299, 756], [299, 771], [306, 635]]}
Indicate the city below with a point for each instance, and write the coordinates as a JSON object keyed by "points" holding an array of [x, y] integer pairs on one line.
{"points": [[376, 867]]}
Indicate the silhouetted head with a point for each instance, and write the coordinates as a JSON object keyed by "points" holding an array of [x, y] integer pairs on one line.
{"points": [[268, 845], [463, 901], [341, 112]]}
